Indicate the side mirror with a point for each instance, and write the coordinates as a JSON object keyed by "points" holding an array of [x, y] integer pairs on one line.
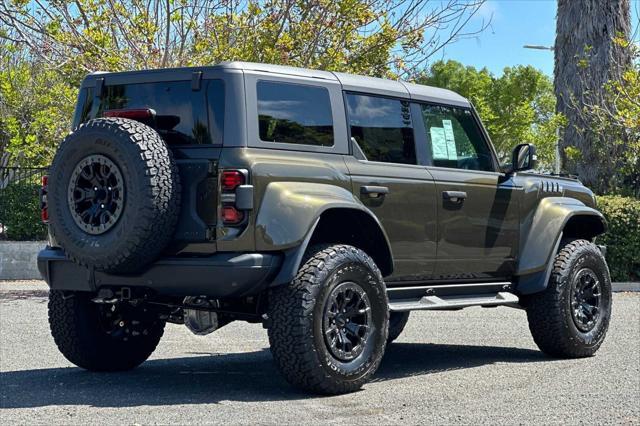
{"points": [[524, 157]]}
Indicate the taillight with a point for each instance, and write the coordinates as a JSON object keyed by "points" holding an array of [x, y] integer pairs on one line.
{"points": [[230, 182], [231, 215], [133, 113], [44, 211], [231, 179]]}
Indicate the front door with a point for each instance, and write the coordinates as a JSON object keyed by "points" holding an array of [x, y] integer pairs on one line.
{"points": [[478, 217], [389, 181]]}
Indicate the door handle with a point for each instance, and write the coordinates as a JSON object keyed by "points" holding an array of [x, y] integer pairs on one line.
{"points": [[374, 191], [454, 196]]}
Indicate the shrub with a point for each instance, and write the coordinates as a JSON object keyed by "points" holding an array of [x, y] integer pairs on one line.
{"points": [[623, 237], [20, 212]]}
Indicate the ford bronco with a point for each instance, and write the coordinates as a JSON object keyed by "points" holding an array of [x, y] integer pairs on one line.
{"points": [[325, 206]]}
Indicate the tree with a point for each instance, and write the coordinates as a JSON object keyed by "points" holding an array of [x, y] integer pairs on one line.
{"points": [[36, 106], [618, 117], [517, 107], [47, 46], [586, 59], [373, 37]]}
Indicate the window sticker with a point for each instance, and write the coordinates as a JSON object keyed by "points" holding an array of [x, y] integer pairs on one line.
{"points": [[438, 143], [450, 140]]}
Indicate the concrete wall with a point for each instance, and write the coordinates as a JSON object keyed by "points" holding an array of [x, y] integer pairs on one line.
{"points": [[18, 259]]}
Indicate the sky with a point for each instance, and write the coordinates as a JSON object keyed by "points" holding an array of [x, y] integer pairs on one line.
{"points": [[514, 23]]}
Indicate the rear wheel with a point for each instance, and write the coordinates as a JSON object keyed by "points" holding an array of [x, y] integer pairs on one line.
{"points": [[329, 325], [571, 317], [101, 337]]}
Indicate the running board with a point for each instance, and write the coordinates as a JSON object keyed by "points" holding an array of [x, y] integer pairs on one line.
{"points": [[502, 298]]}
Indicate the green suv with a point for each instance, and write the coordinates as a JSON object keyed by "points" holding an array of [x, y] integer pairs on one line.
{"points": [[325, 206]]}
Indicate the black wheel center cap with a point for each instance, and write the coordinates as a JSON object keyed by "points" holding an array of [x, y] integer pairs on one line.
{"points": [[100, 195]]}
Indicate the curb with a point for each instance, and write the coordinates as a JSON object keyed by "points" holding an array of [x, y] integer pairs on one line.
{"points": [[628, 286], [18, 259], [27, 285]]}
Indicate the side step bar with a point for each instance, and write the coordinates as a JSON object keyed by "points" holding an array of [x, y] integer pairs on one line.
{"points": [[451, 296], [502, 298]]}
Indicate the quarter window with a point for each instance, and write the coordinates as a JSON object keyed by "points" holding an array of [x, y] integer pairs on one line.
{"points": [[382, 127], [454, 138], [294, 113]]}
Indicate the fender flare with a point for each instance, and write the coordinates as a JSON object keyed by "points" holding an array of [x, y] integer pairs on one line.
{"points": [[542, 242], [289, 215]]}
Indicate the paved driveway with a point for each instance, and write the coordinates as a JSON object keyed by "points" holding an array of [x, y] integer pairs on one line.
{"points": [[476, 365]]}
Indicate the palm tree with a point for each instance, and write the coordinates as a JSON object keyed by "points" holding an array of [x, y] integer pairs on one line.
{"points": [[585, 59]]}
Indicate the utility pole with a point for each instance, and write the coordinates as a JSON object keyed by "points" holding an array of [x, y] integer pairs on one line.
{"points": [[556, 166]]}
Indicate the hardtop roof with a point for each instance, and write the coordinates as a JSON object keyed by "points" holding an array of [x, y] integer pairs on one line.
{"points": [[349, 82]]}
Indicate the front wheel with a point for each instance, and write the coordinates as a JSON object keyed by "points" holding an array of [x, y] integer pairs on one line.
{"points": [[329, 326], [571, 317], [101, 337]]}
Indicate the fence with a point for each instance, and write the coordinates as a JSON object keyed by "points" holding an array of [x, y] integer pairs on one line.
{"points": [[9, 175]]}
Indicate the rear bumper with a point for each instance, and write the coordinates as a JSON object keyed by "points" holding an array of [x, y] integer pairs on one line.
{"points": [[223, 275]]}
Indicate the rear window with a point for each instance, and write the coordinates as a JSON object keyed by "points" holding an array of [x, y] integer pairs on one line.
{"points": [[294, 113], [183, 116]]}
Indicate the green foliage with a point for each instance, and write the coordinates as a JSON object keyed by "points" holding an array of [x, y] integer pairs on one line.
{"points": [[623, 237], [517, 107], [46, 48], [20, 212], [617, 118], [36, 106], [361, 36]]}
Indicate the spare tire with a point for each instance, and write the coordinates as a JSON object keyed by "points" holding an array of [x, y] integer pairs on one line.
{"points": [[113, 195]]}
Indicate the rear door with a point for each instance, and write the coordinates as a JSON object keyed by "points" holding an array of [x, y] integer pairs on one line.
{"points": [[478, 217], [387, 178]]}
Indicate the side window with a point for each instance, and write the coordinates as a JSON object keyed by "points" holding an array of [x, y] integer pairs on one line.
{"points": [[382, 127], [454, 138], [294, 113]]}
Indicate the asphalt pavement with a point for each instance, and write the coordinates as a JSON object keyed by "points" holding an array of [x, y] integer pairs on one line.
{"points": [[471, 366]]}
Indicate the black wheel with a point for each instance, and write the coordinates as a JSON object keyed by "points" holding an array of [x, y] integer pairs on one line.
{"points": [[397, 321], [114, 195], [329, 325], [101, 337], [571, 317]]}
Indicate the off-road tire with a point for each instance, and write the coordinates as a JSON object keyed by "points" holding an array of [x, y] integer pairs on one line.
{"points": [[151, 201], [77, 331], [550, 313], [397, 321], [296, 310]]}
